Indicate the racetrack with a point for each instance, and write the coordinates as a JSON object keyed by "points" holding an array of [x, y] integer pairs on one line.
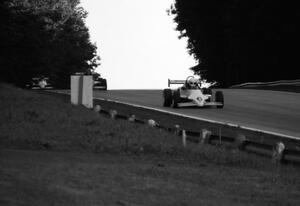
{"points": [[271, 111]]}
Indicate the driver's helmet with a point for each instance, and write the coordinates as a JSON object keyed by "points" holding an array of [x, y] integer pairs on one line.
{"points": [[193, 83], [43, 83]]}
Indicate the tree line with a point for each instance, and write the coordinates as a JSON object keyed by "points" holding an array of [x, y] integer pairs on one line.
{"points": [[44, 37], [239, 41]]}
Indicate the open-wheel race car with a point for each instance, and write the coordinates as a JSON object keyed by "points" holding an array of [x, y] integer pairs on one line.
{"points": [[39, 82], [193, 92], [99, 82]]}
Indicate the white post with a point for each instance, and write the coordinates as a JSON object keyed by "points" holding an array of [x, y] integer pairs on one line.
{"points": [[87, 91], [278, 152], [113, 113], [220, 135], [240, 141], [76, 89], [205, 134], [97, 108], [183, 138], [151, 123], [131, 118], [82, 90], [176, 129]]}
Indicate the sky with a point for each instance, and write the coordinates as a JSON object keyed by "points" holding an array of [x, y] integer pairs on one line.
{"points": [[137, 43]]}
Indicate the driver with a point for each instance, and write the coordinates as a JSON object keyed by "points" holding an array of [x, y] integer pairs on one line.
{"points": [[193, 83], [42, 82]]}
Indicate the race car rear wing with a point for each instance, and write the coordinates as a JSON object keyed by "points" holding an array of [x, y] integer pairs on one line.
{"points": [[170, 81], [38, 78], [203, 84]]}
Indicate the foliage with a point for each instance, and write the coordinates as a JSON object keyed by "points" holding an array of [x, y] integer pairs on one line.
{"points": [[237, 41], [44, 38]]}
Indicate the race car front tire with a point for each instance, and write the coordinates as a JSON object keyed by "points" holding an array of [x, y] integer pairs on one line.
{"points": [[219, 97], [167, 94]]}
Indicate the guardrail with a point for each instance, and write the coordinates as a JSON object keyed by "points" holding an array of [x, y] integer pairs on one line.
{"points": [[278, 152], [273, 83]]}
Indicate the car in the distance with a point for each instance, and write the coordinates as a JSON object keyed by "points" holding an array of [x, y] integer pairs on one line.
{"points": [[39, 82], [99, 82]]}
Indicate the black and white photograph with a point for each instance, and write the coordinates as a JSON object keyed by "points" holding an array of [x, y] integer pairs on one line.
{"points": [[149, 103]]}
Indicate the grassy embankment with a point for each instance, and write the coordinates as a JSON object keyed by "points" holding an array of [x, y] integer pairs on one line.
{"points": [[53, 153]]}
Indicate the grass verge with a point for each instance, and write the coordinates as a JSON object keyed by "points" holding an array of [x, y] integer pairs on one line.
{"points": [[54, 153]]}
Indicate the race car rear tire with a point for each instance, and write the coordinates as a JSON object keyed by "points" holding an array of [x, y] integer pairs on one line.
{"points": [[167, 94], [176, 98], [219, 97], [105, 84]]}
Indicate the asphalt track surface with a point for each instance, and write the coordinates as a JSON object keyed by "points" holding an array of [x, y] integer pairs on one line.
{"points": [[271, 111]]}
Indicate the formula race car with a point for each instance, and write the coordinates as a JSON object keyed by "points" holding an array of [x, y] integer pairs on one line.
{"points": [[40, 82], [99, 82], [194, 92]]}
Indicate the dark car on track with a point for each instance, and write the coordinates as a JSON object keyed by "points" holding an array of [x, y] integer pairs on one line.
{"points": [[99, 83]]}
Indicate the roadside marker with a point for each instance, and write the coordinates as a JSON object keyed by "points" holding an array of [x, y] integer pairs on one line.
{"points": [[240, 141], [131, 118], [97, 108], [183, 138], [177, 129], [113, 113], [278, 152], [152, 123], [205, 133]]}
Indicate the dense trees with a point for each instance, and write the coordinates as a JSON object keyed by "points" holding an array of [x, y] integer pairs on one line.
{"points": [[241, 40], [44, 37]]}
